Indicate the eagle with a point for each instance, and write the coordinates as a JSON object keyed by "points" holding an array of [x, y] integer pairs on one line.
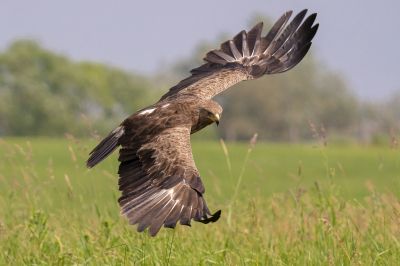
{"points": [[158, 178]]}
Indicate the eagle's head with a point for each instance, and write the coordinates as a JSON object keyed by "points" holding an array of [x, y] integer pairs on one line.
{"points": [[210, 112]]}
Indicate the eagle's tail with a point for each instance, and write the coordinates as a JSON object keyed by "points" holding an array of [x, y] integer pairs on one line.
{"points": [[105, 147], [281, 49]]}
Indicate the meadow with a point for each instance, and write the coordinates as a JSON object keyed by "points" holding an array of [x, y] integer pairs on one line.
{"points": [[282, 204]]}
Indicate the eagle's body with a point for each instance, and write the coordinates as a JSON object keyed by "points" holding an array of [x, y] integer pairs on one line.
{"points": [[159, 180]]}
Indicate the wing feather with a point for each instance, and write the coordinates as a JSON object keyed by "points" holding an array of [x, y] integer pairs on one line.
{"points": [[234, 50], [160, 183], [250, 56], [275, 30], [286, 33], [226, 48], [105, 147], [254, 39], [245, 45], [223, 55]]}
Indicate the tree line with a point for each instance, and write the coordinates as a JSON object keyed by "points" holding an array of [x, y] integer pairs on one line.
{"points": [[47, 94], [43, 93]]}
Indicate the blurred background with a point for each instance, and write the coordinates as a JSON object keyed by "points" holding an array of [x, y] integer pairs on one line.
{"points": [[66, 67], [320, 187]]}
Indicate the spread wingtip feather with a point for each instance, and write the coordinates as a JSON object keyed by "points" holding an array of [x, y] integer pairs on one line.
{"points": [[278, 51]]}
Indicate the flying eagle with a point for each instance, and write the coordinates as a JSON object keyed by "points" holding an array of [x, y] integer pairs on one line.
{"points": [[158, 178]]}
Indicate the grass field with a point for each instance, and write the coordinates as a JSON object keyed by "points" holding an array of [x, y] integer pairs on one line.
{"points": [[295, 205]]}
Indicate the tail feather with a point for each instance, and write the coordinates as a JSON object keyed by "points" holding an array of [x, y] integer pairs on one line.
{"points": [[105, 147]]}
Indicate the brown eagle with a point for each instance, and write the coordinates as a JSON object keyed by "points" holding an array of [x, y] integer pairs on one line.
{"points": [[158, 178]]}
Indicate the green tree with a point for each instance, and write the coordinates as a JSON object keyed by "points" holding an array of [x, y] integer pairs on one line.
{"points": [[43, 93]]}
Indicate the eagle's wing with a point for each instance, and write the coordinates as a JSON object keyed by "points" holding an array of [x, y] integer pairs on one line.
{"points": [[160, 183], [249, 56]]}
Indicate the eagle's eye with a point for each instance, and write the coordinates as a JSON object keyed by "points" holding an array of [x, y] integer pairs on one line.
{"points": [[211, 116]]}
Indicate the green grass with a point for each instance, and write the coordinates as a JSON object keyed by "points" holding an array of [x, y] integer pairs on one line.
{"points": [[295, 205]]}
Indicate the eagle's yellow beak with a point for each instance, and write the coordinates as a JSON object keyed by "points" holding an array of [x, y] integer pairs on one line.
{"points": [[217, 117], [214, 117]]}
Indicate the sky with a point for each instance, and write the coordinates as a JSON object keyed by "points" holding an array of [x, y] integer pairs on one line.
{"points": [[358, 39]]}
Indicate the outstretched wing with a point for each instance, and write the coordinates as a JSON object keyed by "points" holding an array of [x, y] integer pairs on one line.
{"points": [[249, 55], [160, 183]]}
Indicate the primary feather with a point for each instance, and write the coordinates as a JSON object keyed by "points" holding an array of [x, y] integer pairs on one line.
{"points": [[249, 55]]}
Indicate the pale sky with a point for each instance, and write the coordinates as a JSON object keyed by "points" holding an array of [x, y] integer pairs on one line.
{"points": [[359, 39]]}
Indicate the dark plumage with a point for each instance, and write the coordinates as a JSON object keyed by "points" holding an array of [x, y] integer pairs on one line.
{"points": [[158, 178]]}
